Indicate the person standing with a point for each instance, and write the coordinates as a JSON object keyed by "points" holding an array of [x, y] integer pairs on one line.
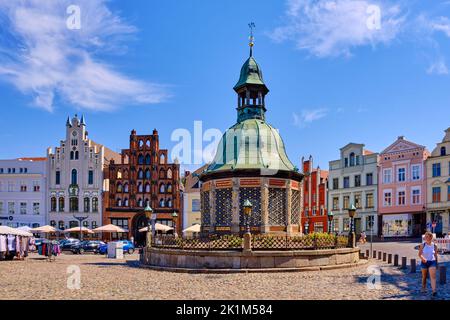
{"points": [[429, 257]]}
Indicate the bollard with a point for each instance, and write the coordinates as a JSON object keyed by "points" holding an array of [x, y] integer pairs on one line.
{"points": [[374, 254], [367, 254], [390, 258], [384, 256], [403, 263], [413, 266], [442, 274], [379, 255], [395, 260]]}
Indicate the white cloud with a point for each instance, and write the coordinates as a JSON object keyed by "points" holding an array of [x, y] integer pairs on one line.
{"points": [[43, 58], [441, 24], [439, 67], [308, 116], [333, 28]]}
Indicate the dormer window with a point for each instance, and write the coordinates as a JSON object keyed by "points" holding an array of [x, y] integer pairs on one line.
{"points": [[352, 159], [443, 151]]}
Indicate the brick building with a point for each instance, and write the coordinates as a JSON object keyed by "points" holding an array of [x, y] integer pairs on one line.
{"points": [[314, 197], [143, 177]]}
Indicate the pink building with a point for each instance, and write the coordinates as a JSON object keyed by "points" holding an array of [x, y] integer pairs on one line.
{"points": [[402, 189]]}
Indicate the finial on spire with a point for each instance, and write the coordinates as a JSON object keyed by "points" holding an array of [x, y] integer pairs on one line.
{"points": [[251, 43]]}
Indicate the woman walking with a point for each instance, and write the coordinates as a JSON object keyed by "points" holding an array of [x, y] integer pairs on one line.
{"points": [[428, 255]]}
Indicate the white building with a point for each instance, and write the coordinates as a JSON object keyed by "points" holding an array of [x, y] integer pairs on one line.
{"points": [[353, 179], [75, 181], [23, 192]]}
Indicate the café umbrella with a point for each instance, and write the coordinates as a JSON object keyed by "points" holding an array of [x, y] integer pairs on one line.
{"points": [[193, 229], [158, 227], [110, 228], [78, 229]]}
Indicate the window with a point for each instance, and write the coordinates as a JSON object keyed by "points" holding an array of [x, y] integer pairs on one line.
{"points": [[91, 177], [387, 199], [53, 223], [140, 174], [10, 186], [11, 209], [415, 172], [140, 159], [162, 159], [36, 186], [23, 187], [443, 151], [72, 155], [335, 203], [86, 204], [369, 179], [335, 183], [23, 208], [401, 174], [169, 173], [147, 174], [162, 188], [73, 224], [436, 194], [357, 160], [370, 222], [346, 202], [53, 204], [448, 194], [76, 155], [387, 176], [74, 179], [415, 196], [119, 187], [346, 224], [58, 177], [61, 225], [401, 198], [169, 203], [352, 159], [436, 169], [162, 174], [126, 188], [119, 202], [85, 224], [95, 204], [147, 188], [140, 203], [346, 162], [94, 224], [161, 203], [147, 159], [140, 188], [1, 207], [73, 204], [357, 181], [195, 205], [358, 203], [61, 204], [369, 200], [125, 202], [169, 188], [36, 208], [346, 182]]}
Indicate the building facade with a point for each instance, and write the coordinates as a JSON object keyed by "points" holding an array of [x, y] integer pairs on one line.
{"points": [[315, 189], [75, 178], [438, 187], [142, 177], [353, 179], [402, 191], [191, 198], [23, 192]]}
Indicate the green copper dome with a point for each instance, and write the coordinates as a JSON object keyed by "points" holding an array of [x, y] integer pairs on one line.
{"points": [[251, 74], [251, 144]]}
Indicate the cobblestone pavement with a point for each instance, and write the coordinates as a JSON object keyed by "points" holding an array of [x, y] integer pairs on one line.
{"points": [[102, 278]]}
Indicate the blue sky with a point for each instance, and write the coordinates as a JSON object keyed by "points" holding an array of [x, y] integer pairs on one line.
{"points": [[165, 64]]}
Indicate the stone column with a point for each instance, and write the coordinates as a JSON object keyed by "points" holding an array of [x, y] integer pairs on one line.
{"points": [[235, 223], [288, 207], [212, 209], [265, 205]]}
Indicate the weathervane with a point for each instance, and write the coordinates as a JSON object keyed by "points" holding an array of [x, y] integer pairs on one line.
{"points": [[251, 25]]}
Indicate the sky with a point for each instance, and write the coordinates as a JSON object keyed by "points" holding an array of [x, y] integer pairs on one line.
{"points": [[338, 71]]}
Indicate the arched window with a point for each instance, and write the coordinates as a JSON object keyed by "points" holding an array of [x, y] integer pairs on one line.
{"points": [[162, 159], [119, 202], [74, 177], [147, 187], [169, 173], [443, 151], [53, 204], [53, 223], [72, 155], [161, 203], [119, 187], [86, 204], [169, 203], [95, 204], [352, 159], [140, 159], [125, 188], [147, 159], [125, 174], [140, 188], [119, 174], [141, 144], [162, 188], [169, 188], [76, 155], [61, 204], [140, 203], [147, 202], [125, 202], [61, 225], [140, 174], [148, 143], [73, 204], [148, 174], [162, 174]]}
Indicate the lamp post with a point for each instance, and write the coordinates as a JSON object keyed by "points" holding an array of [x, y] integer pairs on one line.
{"points": [[175, 219], [149, 215], [248, 206], [330, 221], [306, 222], [80, 220], [351, 235]]}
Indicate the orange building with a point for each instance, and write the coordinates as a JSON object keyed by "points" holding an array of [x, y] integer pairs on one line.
{"points": [[314, 215]]}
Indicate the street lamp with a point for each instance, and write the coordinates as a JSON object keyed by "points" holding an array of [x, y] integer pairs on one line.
{"points": [[351, 235], [248, 206], [149, 215], [80, 220], [306, 222], [330, 221], [174, 218]]}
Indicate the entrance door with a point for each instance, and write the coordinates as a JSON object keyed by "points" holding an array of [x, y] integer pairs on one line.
{"points": [[139, 222]]}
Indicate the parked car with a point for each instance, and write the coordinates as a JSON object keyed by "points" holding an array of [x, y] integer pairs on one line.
{"points": [[87, 246], [128, 247], [67, 244]]}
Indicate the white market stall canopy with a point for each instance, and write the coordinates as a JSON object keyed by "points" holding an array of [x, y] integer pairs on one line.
{"points": [[196, 228], [16, 232], [158, 227]]}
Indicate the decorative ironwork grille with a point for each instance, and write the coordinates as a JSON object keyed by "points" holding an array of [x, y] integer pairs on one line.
{"points": [[254, 195], [295, 207], [223, 207], [277, 206], [206, 208]]}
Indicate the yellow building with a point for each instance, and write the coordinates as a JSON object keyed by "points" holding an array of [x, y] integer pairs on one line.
{"points": [[191, 198]]}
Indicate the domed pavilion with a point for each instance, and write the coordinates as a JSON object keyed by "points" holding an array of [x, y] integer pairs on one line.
{"points": [[251, 164]]}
